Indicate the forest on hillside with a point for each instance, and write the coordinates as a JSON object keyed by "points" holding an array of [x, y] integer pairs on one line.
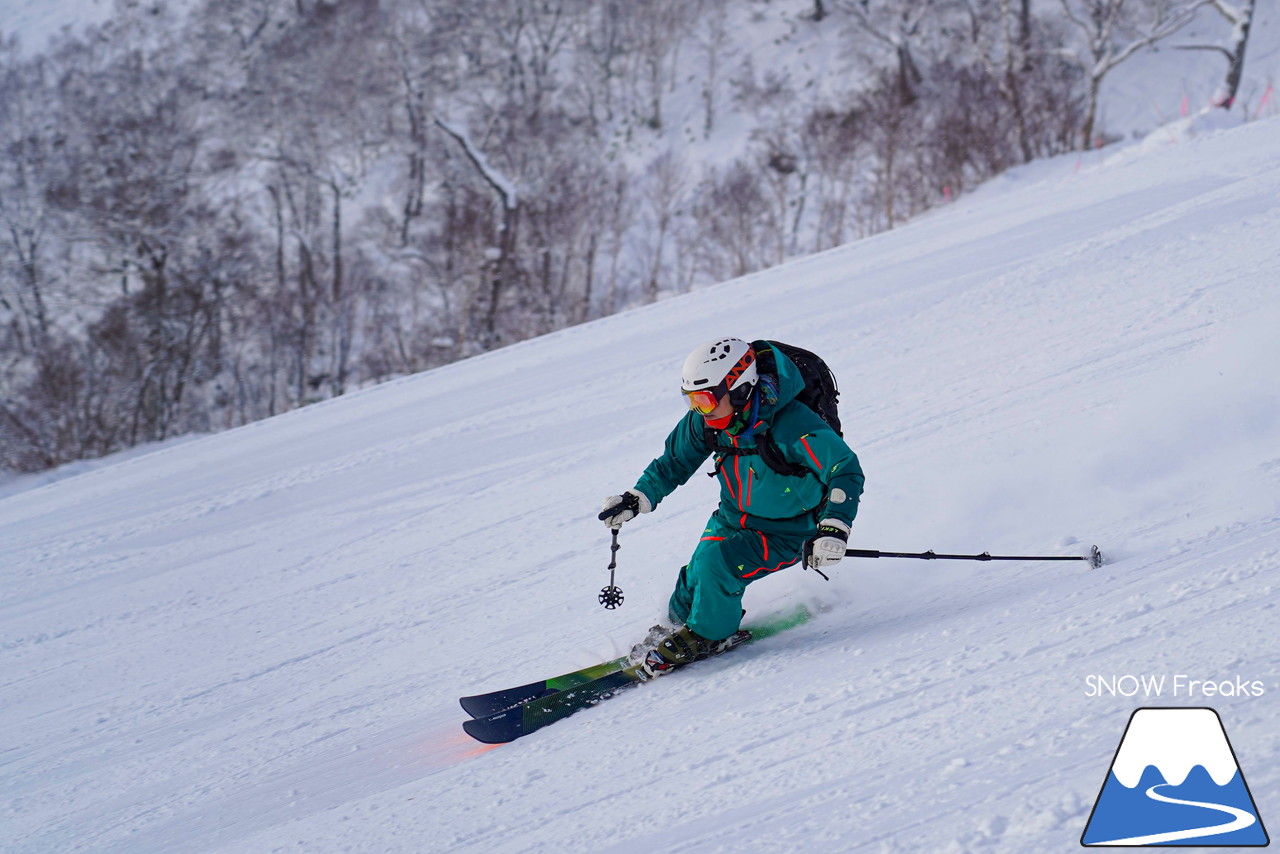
{"points": [[217, 211]]}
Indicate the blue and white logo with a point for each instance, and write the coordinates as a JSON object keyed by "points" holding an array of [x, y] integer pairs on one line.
{"points": [[1175, 781]]}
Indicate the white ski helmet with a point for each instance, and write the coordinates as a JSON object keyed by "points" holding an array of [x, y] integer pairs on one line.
{"points": [[717, 368]]}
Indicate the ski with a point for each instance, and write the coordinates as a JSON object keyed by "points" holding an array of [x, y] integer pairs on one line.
{"points": [[513, 723], [482, 705], [544, 705]]}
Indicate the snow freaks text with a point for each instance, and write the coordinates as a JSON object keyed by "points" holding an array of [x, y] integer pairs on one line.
{"points": [[1177, 685]]}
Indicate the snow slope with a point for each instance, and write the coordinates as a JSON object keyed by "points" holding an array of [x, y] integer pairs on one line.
{"points": [[254, 641], [34, 22]]}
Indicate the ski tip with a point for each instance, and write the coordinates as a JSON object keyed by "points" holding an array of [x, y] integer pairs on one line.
{"points": [[495, 729], [1095, 558]]}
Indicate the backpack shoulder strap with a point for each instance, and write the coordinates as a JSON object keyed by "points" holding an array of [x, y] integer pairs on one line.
{"points": [[772, 456], [768, 450]]}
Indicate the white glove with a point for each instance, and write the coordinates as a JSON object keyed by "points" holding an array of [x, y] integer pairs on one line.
{"points": [[827, 546], [623, 508]]}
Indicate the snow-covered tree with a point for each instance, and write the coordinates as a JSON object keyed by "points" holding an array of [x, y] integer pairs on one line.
{"points": [[1240, 16], [1115, 30]]}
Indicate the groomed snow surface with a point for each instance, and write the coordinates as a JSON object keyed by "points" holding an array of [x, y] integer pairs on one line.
{"points": [[254, 642]]}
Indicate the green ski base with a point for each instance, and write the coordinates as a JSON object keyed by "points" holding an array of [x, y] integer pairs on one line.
{"points": [[546, 702]]}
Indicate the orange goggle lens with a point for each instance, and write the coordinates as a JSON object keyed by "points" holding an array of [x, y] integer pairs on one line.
{"points": [[701, 402]]}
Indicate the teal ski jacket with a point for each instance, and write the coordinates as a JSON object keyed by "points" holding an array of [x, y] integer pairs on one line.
{"points": [[753, 495]]}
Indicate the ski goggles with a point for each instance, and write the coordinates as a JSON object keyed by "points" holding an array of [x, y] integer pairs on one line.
{"points": [[704, 400]]}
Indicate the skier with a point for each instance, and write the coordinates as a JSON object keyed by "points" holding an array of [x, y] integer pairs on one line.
{"points": [[743, 409]]}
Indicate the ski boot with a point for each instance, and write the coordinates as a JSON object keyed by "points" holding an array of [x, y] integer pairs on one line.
{"points": [[652, 638], [682, 646]]}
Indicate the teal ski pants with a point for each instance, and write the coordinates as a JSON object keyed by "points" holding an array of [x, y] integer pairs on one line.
{"points": [[708, 594]]}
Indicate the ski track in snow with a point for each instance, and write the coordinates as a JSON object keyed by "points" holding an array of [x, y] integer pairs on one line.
{"points": [[254, 641]]}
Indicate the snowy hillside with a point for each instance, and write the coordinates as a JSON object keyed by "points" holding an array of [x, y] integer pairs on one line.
{"points": [[34, 22], [254, 642]]}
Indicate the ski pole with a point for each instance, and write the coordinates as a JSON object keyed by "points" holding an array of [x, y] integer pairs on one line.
{"points": [[611, 596], [1094, 558]]}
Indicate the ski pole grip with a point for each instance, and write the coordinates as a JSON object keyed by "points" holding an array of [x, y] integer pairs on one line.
{"points": [[861, 553]]}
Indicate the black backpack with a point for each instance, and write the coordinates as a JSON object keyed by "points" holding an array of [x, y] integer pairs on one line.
{"points": [[820, 391], [820, 394]]}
